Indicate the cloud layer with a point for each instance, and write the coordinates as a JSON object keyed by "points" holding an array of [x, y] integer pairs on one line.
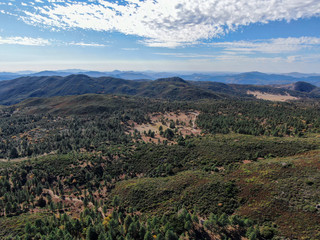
{"points": [[167, 23], [26, 41], [29, 41], [269, 46]]}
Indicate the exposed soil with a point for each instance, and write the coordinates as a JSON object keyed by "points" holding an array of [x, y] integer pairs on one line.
{"points": [[184, 122], [246, 161]]}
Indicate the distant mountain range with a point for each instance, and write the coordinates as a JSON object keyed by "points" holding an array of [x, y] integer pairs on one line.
{"points": [[174, 88], [256, 78]]}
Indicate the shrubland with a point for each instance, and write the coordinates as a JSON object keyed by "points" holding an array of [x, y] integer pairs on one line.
{"points": [[73, 168]]}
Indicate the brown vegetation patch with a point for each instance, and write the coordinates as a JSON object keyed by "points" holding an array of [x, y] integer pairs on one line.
{"points": [[307, 224], [272, 97], [283, 191]]}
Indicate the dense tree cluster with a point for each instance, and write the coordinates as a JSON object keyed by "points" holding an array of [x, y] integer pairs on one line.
{"points": [[259, 118], [126, 224]]}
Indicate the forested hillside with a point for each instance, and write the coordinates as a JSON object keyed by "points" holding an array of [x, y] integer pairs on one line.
{"points": [[174, 88], [101, 166]]}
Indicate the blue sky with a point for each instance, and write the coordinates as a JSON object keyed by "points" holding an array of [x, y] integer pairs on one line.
{"points": [[161, 35]]}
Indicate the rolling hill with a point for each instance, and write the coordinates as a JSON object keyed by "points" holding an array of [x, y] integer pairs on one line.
{"points": [[175, 88], [16, 90]]}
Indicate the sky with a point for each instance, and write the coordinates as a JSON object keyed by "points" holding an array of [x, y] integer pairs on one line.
{"points": [[274, 36]]}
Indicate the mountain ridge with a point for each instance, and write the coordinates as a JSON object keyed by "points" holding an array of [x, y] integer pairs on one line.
{"points": [[174, 88], [253, 77]]}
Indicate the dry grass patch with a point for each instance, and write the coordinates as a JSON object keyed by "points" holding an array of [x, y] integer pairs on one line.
{"points": [[272, 97]]}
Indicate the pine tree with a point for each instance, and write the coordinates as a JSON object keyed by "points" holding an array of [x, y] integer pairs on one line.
{"points": [[148, 236], [91, 234], [170, 235]]}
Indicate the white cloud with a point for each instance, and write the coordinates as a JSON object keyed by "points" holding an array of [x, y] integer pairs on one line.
{"points": [[27, 41], [130, 49], [86, 44], [187, 55], [168, 23], [278, 45]]}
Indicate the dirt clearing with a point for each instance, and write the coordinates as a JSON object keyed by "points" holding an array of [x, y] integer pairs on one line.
{"points": [[183, 123]]}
